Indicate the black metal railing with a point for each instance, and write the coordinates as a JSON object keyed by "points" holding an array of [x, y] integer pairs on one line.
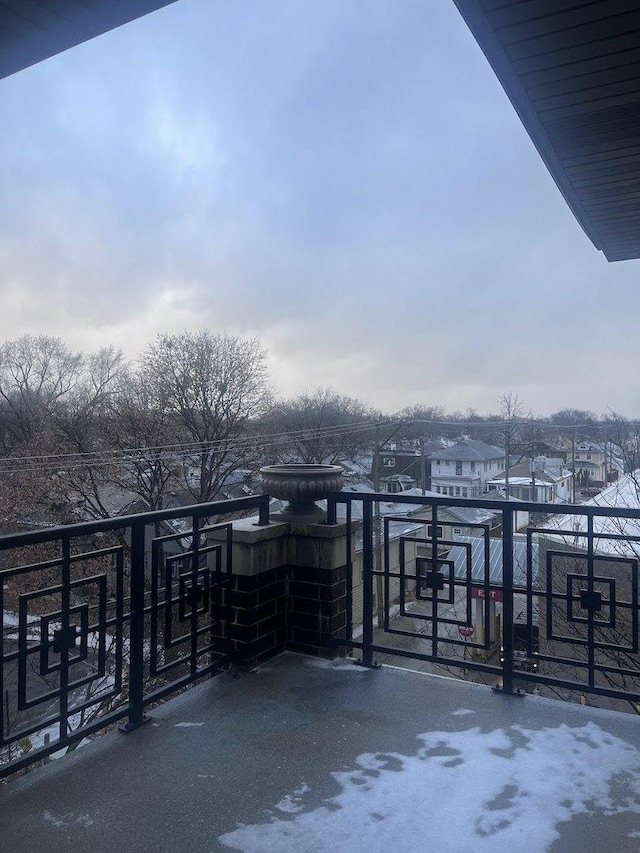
{"points": [[454, 582], [101, 619]]}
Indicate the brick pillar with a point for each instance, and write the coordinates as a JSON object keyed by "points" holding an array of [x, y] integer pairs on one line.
{"points": [[317, 603], [288, 589]]}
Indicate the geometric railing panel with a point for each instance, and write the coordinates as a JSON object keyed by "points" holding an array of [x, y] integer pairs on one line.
{"points": [[92, 635]]}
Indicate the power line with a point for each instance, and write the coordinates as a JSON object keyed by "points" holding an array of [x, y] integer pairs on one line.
{"points": [[177, 452]]}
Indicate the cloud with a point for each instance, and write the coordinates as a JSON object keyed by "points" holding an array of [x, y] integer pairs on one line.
{"points": [[354, 188]]}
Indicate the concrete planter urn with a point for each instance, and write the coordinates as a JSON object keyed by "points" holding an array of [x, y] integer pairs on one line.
{"points": [[301, 485]]}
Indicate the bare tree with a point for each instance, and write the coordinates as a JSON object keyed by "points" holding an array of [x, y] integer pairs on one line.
{"points": [[322, 426], [511, 412], [213, 385], [35, 373]]}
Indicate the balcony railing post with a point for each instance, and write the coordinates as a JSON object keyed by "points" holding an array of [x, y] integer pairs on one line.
{"points": [[507, 607], [367, 581], [263, 517], [136, 629], [332, 510]]}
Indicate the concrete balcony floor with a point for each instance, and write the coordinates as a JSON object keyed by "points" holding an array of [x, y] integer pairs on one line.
{"points": [[307, 755]]}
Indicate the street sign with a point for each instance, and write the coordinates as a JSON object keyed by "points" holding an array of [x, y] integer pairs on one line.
{"points": [[479, 592]]}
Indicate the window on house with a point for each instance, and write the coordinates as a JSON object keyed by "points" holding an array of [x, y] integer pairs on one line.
{"points": [[457, 530], [459, 468], [588, 456], [473, 466], [438, 531], [457, 491], [451, 491], [464, 493]]}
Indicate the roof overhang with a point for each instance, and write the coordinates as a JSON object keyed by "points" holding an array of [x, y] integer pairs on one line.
{"points": [[33, 30], [571, 69]]}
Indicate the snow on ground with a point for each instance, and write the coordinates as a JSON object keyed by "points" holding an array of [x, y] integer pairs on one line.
{"points": [[486, 792], [337, 663]]}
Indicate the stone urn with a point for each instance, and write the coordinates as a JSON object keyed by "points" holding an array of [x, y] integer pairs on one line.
{"points": [[302, 485]]}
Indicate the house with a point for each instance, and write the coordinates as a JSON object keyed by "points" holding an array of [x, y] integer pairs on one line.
{"points": [[404, 462], [540, 480], [465, 469], [597, 462], [397, 483]]}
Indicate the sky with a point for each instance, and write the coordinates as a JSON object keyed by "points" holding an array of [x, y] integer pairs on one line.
{"points": [[344, 179]]}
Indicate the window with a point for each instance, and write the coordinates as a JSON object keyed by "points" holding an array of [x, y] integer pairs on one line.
{"points": [[457, 530], [473, 467], [458, 469], [588, 456], [457, 491], [389, 462], [464, 493], [438, 531]]}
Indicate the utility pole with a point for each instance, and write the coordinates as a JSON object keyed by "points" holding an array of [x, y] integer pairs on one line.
{"points": [[573, 465], [423, 467], [533, 472]]}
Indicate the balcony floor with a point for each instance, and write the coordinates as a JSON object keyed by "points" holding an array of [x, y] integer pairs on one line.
{"points": [[306, 755]]}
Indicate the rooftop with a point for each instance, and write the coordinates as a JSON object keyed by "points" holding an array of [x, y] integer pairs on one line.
{"points": [[469, 450], [310, 755]]}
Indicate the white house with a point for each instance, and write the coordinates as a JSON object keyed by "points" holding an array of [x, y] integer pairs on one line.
{"points": [[542, 479], [597, 462], [465, 469]]}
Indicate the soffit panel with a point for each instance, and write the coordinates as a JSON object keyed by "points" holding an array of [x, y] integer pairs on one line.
{"points": [[572, 72]]}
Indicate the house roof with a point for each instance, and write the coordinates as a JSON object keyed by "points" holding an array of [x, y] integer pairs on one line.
{"points": [[571, 70], [521, 474], [33, 30], [469, 450], [624, 493], [476, 566], [465, 514]]}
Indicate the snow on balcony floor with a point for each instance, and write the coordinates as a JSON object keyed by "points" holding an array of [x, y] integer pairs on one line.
{"points": [[306, 755]]}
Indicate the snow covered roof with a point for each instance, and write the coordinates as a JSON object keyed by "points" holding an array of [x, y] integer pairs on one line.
{"points": [[624, 493], [469, 450], [458, 554]]}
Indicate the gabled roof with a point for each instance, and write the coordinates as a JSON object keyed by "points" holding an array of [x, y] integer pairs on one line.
{"points": [[476, 567], [624, 493], [571, 69], [469, 450], [33, 30], [522, 474]]}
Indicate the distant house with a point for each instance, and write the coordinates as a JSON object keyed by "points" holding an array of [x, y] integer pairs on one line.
{"points": [[541, 479], [397, 483], [465, 469], [597, 463], [404, 462]]}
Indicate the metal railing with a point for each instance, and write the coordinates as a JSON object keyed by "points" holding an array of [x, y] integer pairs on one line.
{"points": [[103, 618], [554, 607]]}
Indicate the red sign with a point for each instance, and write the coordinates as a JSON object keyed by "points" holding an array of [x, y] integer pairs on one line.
{"points": [[479, 592]]}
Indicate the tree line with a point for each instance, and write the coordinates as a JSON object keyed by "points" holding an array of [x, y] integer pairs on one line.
{"points": [[191, 412]]}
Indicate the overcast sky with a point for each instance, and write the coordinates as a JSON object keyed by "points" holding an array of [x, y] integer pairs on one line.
{"points": [[343, 178]]}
